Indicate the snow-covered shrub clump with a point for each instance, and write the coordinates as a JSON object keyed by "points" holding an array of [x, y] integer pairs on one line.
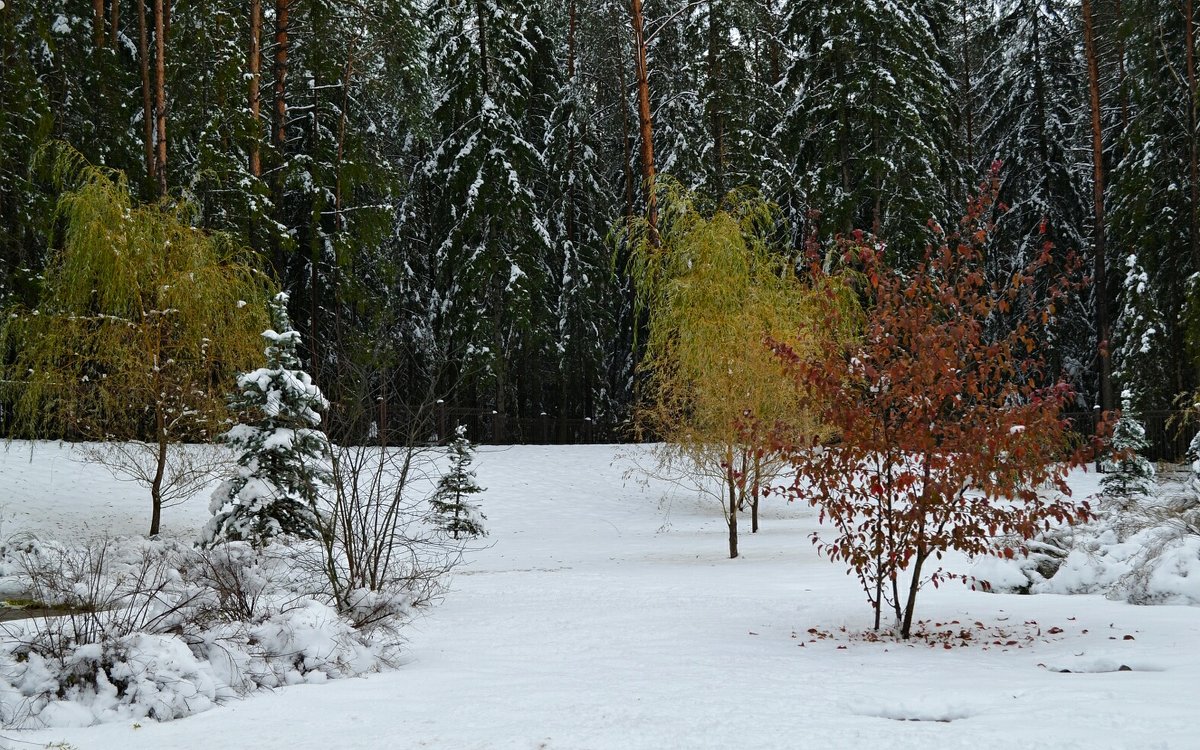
{"points": [[282, 455], [1142, 545], [134, 629]]}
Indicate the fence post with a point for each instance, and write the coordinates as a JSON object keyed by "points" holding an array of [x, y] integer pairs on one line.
{"points": [[587, 430], [1096, 415], [441, 421], [497, 427], [545, 428]]}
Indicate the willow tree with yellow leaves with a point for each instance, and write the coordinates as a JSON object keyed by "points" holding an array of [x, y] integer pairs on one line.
{"points": [[142, 322], [716, 290]]}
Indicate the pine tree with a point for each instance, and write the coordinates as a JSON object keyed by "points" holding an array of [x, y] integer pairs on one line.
{"points": [[1131, 475], [282, 451], [453, 509]]}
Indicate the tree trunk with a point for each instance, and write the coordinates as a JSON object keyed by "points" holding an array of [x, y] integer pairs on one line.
{"points": [[731, 484], [1194, 156], [484, 66], [147, 101], [967, 85], [1100, 292], [114, 20], [570, 166], [254, 64], [645, 120], [755, 492], [98, 23], [717, 123], [160, 95], [160, 428], [913, 586]]}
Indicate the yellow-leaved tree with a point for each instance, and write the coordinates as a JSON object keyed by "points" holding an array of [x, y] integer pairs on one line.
{"points": [[142, 323], [716, 290]]}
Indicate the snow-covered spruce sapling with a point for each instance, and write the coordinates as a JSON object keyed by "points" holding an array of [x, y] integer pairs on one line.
{"points": [[1130, 475], [282, 455], [452, 507]]}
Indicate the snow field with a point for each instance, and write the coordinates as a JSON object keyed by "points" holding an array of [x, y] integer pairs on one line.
{"points": [[602, 616]]}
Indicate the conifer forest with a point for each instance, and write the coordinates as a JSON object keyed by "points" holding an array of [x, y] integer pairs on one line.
{"points": [[444, 188]]}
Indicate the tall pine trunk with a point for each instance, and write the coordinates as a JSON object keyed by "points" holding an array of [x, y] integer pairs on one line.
{"points": [[98, 24], [645, 119], [254, 65], [147, 96], [1100, 282], [1194, 155], [160, 95]]}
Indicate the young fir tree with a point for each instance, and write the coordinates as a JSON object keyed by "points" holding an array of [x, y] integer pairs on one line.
{"points": [[452, 506], [1130, 475], [283, 454]]}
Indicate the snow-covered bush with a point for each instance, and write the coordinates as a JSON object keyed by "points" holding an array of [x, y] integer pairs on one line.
{"points": [[1143, 548], [141, 628], [453, 509], [282, 455]]}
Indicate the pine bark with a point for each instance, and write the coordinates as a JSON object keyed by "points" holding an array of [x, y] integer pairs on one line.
{"points": [[160, 95], [114, 23], [1194, 156], [254, 64], [98, 23], [147, 99], [1100, 291], [645, 119]]}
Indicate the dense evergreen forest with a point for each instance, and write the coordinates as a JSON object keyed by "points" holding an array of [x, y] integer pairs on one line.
{"points": [[435, 182]]}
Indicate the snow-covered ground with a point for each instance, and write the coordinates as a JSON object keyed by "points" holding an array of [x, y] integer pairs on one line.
{"points": [[603, 616]]}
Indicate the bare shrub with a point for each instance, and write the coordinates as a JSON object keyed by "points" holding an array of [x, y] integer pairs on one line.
{"points": [[96, 595], [382, 554]]}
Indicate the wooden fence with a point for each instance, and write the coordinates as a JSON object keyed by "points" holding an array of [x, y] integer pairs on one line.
{"points": [[488, 426]]}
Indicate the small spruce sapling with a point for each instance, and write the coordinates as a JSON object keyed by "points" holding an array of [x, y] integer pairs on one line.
{"points": [[453, 510], [282, 455], [1130, 475]]}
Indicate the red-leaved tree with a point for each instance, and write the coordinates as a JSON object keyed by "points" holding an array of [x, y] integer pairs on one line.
{"points": [[948, 434]]}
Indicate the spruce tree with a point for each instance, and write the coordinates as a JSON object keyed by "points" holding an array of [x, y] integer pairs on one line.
{"points": [[1155, 198], [867, 127], [453, 509], [484, 253], [282, 452], [1130, 476], [1036, 126]]}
